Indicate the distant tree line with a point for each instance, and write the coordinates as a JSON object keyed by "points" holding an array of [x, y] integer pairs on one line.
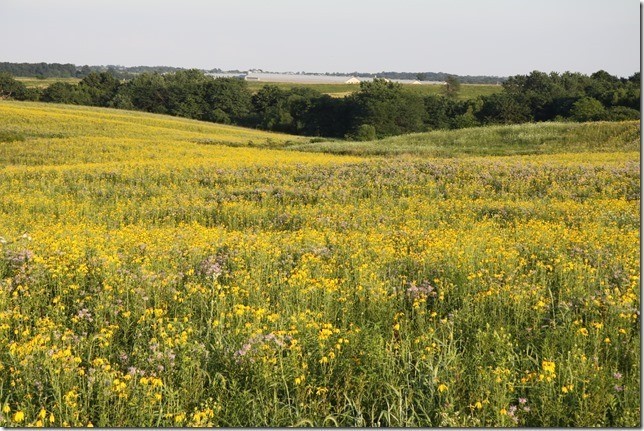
{"points": [[428, 76], [378, 109], [44, 70], [57, 70], [68, 70]]}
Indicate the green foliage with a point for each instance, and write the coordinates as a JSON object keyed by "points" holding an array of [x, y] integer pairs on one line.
{"points": [[385, 106], [391, 108], [62, 92], [100, 87], [621, 113], [147, 92], [271, 105], [452, 87], [227, 100], [504, 108], [10, 88], [364, 132], [588, 109]]}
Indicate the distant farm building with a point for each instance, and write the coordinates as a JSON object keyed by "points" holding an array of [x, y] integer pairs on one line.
{"points": [[311, 78]]}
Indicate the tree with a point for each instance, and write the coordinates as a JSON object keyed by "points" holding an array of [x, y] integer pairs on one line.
{"points": [[184, 91], [387, 107], [11, 88], [147, 92], [452, 87], [271, 108], [588, 109], [226, 100], [100, 87], [503, 108], [328, 116], [438, 111], [364, 132], [63, 92], [621, 113]]}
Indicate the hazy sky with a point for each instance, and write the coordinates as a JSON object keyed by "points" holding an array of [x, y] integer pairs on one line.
{"points": [[465, 37]]}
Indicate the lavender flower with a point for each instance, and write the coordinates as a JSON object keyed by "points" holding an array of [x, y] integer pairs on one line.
{"points": [[212, 267], [424, 289], [85, 314]]}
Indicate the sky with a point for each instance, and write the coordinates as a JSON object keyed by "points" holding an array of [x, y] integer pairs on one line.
{"points": [[463, 37]]}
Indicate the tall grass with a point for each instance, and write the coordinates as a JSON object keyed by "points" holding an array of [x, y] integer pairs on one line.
{"points": [[536, 138], [147, 279]]}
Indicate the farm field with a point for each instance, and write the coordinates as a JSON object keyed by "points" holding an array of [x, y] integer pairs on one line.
{"points": [[157, 271], [468, 91], [33, 82]]}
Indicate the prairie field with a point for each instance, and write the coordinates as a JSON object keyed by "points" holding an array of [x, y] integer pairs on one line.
{"points": [[157, 271]]}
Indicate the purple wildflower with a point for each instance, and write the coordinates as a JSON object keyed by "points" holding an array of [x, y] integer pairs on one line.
{"points": [[85, 314]]}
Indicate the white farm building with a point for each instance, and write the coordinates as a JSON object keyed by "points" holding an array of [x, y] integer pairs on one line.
{"points": [[300, 78]]}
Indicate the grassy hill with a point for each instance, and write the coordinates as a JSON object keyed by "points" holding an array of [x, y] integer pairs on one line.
{"points": [[540, 138], [163, 272], [56, 134]]}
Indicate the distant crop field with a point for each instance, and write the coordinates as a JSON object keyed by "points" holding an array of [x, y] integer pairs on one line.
{"points": [[45, 82], [164, 272], [468, 91]]}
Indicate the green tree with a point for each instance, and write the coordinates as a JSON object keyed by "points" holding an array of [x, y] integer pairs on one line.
{"points": [[226, 100], [10, 88], [621, 113], [387, 107], [588, 109], [185, 93], [147, 92], [271, 108], [364, 132], [446, 113], [328, 116], [452, 87], [63, 92], [100, 87], [503, 108]]}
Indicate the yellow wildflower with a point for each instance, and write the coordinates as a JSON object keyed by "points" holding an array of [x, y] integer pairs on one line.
{"points": [[19, 416]]}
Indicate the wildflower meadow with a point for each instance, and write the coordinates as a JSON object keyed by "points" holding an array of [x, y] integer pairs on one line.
{"points": [[157, 271]]}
